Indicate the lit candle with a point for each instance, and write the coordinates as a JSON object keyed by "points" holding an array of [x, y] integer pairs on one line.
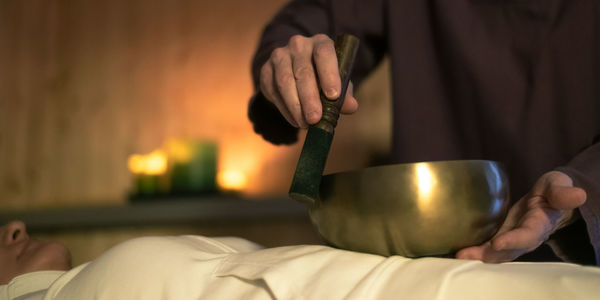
{"points": [[148, 170], [232, 180], [193, 166]]}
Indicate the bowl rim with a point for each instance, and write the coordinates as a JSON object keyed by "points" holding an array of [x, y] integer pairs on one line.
{"points": [[407, 164]]}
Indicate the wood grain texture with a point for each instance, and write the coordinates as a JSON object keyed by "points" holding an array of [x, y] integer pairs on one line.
{"points": [[84, 84]]}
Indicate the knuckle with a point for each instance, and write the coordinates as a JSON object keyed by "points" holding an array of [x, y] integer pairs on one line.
{"points": [[278, 55], [321, 37], [284, 80], [297, 43], [304, 72]]}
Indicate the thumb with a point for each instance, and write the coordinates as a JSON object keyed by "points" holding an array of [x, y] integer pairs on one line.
{"points": [[350, 103], [565, 197]]}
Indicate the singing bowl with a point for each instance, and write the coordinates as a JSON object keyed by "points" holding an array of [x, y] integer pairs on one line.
{"points": [[413, 210]]}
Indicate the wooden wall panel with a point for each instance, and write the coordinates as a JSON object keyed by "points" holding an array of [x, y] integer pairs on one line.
{"points": [[83, 84]]}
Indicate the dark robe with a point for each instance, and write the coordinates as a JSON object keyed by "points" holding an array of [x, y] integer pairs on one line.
{"points": [[505, 80]]}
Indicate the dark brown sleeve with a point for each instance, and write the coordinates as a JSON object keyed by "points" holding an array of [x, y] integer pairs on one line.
{"points": [[363, 18], [584, 169]]}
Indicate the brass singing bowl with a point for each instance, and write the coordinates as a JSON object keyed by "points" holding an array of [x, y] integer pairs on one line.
{"points": [[413, 210]]}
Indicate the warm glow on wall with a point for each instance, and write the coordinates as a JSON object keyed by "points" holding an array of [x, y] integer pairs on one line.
{"points": [[241, 157], [154, 163], [232, 180], [179, 150]]}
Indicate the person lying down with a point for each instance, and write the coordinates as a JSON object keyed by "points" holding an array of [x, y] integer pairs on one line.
{"points": [[198, 267]]}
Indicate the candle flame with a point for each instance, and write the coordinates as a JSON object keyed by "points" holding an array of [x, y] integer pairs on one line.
{"points": [[136, 164], [154, 163], [232, 180]]}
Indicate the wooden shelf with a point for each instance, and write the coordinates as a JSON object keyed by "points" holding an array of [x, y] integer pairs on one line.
{"points": [[168, 211]]}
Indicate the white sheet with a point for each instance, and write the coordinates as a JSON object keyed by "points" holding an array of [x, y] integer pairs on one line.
{"points": [[193, 267]]}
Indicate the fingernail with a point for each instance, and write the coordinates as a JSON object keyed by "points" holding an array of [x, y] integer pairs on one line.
{"points": [[331, 93]]}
